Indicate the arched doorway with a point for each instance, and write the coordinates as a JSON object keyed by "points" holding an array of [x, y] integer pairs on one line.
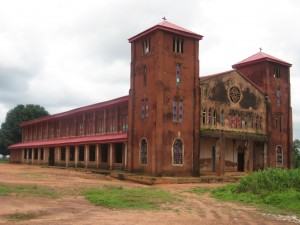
{"points": [[213, 159]]}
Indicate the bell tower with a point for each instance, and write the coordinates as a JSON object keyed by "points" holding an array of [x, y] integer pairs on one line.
{"points": [[164, 101], [272, 75]]}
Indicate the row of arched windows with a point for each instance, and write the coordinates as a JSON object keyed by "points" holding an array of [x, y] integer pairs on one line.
{"points": [[235, 120], [177, 152]]}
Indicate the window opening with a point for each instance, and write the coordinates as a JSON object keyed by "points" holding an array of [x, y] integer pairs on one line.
{"points": [[204, 116], [178, 152], [146, 46], [214, 117], [279, 157], [276, 72], [177, 74], [209, 116], [222, 118], [144, 150], [177, 45]]}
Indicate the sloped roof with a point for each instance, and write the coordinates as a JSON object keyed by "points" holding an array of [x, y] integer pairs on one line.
{"points": [[112, 102], [167, 26], [260, 57], [99, 139], [208, 77]]}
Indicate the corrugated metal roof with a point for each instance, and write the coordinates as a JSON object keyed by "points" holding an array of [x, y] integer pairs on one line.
{"points": [[112, 102], [167, 26], [99, 139], [260, 57]]}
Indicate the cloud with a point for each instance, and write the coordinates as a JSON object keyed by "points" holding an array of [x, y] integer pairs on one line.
{"points": [[64, 54]]}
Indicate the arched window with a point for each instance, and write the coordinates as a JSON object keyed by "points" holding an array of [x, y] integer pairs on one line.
{"points": [[252, 121], [246, 122], [204, 116], [143, 151], [222, 118], [279, 156], [257, 123], [178, 152], [214, 117], [209, 116]]}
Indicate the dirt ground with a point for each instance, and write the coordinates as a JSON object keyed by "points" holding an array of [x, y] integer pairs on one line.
{"points": [[73, 209]]}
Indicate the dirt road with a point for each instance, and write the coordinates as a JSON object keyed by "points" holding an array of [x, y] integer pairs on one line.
{"points": [[71, 208]]}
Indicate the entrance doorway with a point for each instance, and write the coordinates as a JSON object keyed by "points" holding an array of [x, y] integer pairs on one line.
{"points": [[51, 156], [241, 159]]}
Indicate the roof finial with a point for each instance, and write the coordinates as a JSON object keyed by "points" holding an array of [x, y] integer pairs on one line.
{"points": [[164, 18], [260, 49]]}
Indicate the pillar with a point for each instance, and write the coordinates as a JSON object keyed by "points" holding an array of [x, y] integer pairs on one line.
{"points": [[32, 155], [110, 156], [221, 159], [67, 157], [86, 155], [125, 160], [27, 156], [98, 146], [250, 149], [76, 155], [39, 156]]}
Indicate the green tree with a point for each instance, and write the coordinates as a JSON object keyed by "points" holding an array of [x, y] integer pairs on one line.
{"points": [[296, 153], [10, 132]]}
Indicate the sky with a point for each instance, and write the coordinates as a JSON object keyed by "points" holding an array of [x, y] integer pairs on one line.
{"points": [[64, 54]]}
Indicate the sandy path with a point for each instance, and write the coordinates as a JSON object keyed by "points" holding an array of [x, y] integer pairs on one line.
{"points": [[73, 209]]}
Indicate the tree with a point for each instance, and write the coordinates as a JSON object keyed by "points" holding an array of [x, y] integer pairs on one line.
{"points": [[10, 132], [296, 147]]}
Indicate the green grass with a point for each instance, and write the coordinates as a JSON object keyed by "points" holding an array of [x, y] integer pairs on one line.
{"points": [[112, 196], [20, 216], [200, 190], [27, 190], [273, 190], [4, 160]]}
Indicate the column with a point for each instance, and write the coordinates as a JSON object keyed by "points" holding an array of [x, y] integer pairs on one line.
{"points": [[125, 160], [32, 155], [250, 149], [221, 156], [27, 156], [97, 155], [86, 155], [265, 155], [110, 156], [46, 156], [76, 155], [39, 155], [67, 157]]}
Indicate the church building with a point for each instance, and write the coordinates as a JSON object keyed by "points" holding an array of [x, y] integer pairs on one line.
{"points": [[174, 122]]}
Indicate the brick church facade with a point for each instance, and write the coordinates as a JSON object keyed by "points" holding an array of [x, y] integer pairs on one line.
{"points": [[173, 122]]}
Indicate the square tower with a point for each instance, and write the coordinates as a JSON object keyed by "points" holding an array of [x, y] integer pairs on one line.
{"points": [[164, 101], [272, 75]]}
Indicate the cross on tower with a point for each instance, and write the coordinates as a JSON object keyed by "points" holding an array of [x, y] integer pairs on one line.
{"points": [[164, 18], [260, 49]]}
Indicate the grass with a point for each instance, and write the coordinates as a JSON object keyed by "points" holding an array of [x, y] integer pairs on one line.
{"points": [[200, 190], [4, 160], [112, 196], [273, 190], [27, 190], [20, 216]]}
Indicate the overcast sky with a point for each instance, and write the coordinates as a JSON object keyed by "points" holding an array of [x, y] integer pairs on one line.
{"points": [[64, 54]]}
